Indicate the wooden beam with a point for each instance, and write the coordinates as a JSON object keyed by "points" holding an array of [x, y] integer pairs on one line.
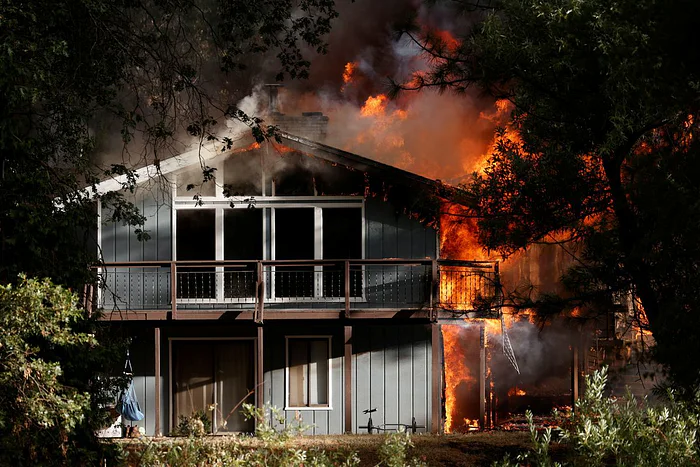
{"points": [[482, 377], [260, 374], [436, 378], [156, 337], [347, 361]]}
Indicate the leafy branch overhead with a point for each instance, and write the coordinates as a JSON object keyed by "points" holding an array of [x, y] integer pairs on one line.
{"points": [[96, 89], [604, 98]]}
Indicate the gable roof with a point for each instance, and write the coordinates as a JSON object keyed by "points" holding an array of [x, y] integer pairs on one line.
{"points": [[209, 150]]}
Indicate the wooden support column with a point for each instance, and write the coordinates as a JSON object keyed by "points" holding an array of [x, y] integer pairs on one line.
{"points": [[173, 290], [347, 361], [259, 372], [156, 337], [347, 289], [574, 372], [482, 377], [436, 378]]}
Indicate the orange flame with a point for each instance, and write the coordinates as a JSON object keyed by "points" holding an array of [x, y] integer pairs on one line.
{"points": [[516, 391], [456, 372], [471, 424], [349, 71]]}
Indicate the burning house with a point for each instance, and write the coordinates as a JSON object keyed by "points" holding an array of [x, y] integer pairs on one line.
{"points": [[328, 284]]}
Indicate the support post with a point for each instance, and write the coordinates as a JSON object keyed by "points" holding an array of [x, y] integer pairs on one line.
{"points": [[434, 289], [574, 373], [173, 290], [482, 377], [347, 361], [347, 289], [436, 386], [156, 337], [259, 295], [259, 371]]}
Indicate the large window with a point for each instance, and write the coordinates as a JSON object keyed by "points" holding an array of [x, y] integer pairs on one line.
{"points": [[196, 242], [308, 374]]}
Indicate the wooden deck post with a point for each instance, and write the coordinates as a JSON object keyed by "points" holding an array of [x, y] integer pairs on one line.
{"points": [[482, 377], [156, 337], [173, 290], [436, 387], [574, 372], [347, 361], [260, 372], [347, 289]]}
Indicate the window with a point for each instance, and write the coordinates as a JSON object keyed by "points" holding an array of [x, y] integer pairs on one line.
{"points": [[308, 373], [196, 241]]}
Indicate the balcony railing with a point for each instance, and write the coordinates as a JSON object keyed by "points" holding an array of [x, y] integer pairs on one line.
{"points": [[367, 284]]}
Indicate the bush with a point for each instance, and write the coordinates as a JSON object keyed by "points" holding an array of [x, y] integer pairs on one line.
{"points": [[626, 432], [52, 384]]}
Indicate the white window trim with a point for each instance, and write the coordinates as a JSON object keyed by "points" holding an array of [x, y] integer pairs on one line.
{"points": [[313, 202], [286, 373]]}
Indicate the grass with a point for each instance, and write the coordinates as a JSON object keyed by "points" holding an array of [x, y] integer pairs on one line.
{"points": [[473, 449]]}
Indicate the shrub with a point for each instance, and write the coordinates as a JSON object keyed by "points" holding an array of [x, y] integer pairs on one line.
{"points": [[626, 432], [52, 378]]}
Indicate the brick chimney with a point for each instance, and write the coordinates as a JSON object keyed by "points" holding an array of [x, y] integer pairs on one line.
{"points": [[311, 125]]}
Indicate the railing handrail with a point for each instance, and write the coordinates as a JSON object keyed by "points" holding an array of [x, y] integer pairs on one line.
{"points": [[299, 262]]}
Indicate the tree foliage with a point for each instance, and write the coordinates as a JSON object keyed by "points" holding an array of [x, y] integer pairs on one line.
{"points": [[53, 378], [84, 80], [605, 103]]}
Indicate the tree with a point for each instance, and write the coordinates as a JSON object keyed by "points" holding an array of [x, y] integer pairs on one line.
{"points": [[52, 376], [84, 80], [605, 97]]}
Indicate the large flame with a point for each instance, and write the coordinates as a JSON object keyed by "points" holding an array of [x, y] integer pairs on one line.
{"points": [[456, 372]]}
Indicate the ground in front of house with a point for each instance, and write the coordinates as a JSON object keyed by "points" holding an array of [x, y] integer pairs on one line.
{"points": [[472, 449]]}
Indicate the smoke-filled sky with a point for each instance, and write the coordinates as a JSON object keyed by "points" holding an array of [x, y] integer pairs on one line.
{"points": [[442, 136]]}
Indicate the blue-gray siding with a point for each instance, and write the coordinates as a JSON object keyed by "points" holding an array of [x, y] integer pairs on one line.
{"points": [[391, 370]]}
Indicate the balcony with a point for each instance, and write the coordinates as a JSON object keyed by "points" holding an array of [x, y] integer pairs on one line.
{"points": [[260, 290]]}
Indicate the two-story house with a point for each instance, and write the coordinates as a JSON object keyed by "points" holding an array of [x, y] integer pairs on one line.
{"points": [[300, 275]]}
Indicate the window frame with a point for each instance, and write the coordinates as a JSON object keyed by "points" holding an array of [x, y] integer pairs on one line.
{"points": [[219, 204], [287, 379]]}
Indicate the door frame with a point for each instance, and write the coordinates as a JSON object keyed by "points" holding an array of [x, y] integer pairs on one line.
{"points": [[171, 376]]}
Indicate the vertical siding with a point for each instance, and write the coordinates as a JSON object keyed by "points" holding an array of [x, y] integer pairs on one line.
{"points": [[394, 235], [391, 367], [145, 287]]}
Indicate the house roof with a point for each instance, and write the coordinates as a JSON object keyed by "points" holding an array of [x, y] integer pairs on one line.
{"points": [[207, 151]]}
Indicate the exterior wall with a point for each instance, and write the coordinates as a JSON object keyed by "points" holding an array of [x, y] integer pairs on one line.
{"points": [[143, 361], [136, 288], [394, 235], [118, 241], [392, 372]]}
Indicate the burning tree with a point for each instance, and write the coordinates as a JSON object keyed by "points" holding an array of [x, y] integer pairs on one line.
{"points": [[605, 99]]}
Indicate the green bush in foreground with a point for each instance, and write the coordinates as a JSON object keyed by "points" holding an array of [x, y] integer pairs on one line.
{"points": [[53, 383], [275, 448], [626, 432]]}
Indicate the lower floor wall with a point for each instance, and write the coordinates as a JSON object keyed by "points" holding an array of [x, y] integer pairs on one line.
{"points": [[214, 368]]}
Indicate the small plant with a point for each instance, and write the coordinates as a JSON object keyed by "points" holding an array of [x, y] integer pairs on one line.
{"points": [[395, 449], [196, 424]]}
